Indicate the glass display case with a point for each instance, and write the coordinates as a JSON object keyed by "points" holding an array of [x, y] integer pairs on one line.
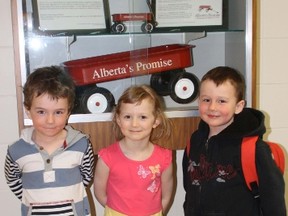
{"points": [[107, 46]]}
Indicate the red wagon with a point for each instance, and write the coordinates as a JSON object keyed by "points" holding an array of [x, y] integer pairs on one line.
{"points": [[165, 63], [119, 20]]}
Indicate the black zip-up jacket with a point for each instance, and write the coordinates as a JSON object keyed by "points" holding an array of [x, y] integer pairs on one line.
{"points": [[213, 177]]}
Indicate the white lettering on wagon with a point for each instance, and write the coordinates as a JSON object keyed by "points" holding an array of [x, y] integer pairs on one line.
{"points": [[106, 73], [158, 64], [140, 67]]}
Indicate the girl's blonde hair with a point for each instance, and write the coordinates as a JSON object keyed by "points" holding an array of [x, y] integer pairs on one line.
{"points": [[136, 94]]}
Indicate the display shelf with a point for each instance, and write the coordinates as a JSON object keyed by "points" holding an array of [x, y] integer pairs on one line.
{"points": [[101, 134], [103, 117]]}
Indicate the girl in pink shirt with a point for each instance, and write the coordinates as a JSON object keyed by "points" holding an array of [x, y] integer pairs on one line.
{"points": [[134, 176]]}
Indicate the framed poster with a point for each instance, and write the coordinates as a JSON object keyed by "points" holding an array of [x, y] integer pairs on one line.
{"points": [[68, 17], [189, 15]]}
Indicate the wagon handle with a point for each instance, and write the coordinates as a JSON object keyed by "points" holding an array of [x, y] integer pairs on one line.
{"points": [[74, 39], [151, 11]]}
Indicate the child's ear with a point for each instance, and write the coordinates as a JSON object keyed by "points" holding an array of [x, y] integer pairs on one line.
{"points": [[240, 106], [117, 119], [156, 123], [68, 116], [27, 113]]}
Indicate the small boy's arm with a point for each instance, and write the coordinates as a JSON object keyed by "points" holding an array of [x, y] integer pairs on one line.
{"points": [[13, 176], [87, 166]]}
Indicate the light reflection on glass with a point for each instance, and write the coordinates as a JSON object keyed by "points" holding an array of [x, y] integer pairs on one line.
{"points": [[36, 44]]}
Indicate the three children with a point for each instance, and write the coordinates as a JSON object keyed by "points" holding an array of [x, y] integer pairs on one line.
{"points": [[51, 164]]}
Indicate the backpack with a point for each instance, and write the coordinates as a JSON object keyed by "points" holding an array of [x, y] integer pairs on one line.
{"points": [[248, 148], [248, 161]]}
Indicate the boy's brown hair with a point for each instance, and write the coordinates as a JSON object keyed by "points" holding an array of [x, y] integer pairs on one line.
{"points": [[221, 74], [52, 81]]}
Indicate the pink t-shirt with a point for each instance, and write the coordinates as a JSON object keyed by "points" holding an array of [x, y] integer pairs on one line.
{"points": [[134, 187]]}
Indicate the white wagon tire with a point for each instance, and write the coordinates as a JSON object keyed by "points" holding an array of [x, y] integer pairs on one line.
{"points": [[184, 87], [118, 28], [147, 27], [97, 100], [97, 103]]}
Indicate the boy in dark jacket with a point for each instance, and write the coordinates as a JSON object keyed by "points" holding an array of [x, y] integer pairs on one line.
{"points": [[213, 176]]}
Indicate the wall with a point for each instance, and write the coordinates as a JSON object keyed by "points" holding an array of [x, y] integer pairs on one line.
{"points": [[272, 83], [272, 80], [8, 108]]}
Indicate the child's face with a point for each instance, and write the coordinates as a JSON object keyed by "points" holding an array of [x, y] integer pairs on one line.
{"points": [[49, 116], [136, 121], [218, 104]]}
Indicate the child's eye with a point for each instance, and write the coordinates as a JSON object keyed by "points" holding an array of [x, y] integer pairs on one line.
{"points": [[206, 100], [59, 112], [41, 112], [127, 117], [222, 101], [143, 117]]}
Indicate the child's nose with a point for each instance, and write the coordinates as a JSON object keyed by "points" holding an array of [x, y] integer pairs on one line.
{"points": [[50, 118], [134, 122], [212, 105]]}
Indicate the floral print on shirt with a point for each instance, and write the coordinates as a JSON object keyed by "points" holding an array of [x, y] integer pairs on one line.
{"points": [[152, 172]]}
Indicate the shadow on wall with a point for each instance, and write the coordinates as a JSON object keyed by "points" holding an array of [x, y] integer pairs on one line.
{"points": [[265, 137]]}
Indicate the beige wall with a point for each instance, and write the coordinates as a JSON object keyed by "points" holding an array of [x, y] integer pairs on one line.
{"points": [[8, 107], [272, 83]]}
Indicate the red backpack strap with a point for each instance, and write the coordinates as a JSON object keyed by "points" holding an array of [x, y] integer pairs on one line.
{"points": [[248, 148], [278, 155], [248, 152]]}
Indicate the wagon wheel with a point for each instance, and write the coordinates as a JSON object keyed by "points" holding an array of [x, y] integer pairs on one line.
{"points": [[79, 90], [96, 100], [113, 28], [160, 83], [118, 27], [147, 27], [184, 87]]}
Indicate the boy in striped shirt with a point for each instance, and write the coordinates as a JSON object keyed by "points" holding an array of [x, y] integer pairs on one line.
{"points": [[51, 164]]}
